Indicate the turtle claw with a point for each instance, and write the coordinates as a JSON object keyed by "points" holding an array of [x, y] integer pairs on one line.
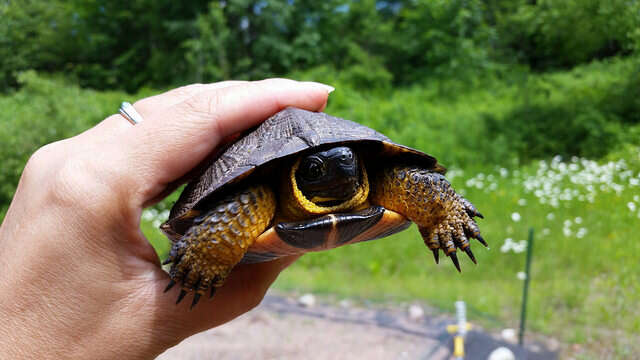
{"points": [[454, 259], [181, 296], [170, 285], [436, 255], [470, 254], [482, 241], [213, 291], [470, 208], [168, 260], [196, 298]]}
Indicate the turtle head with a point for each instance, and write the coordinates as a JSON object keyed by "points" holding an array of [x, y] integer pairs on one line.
{"points": [[329, 177]]}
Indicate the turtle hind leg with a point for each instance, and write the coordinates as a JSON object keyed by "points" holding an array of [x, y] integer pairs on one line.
{"points": [[444, 218], [205, 255]]}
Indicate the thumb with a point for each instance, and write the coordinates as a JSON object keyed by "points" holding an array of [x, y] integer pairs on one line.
{"points": [[244, 289]]}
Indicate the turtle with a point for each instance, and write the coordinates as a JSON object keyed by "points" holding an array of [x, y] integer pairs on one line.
{"points": [[306, 181]]}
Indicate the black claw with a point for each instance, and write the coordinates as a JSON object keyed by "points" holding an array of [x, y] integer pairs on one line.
{"points": [[479, 215], [468, 251], [167, 261], [479, 237], [436, 255], [181, 296], [454, 258], [196, 298], [213, 291], [170, 285]]}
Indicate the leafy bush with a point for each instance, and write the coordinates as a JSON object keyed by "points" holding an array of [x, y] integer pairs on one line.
{"points": [[109, 45], [587, 112], [43, 111], [563, 33]]}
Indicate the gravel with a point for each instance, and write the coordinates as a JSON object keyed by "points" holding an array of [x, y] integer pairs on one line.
{"points": [[283, 327]]}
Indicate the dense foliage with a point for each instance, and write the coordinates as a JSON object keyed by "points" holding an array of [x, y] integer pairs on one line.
{"points": [[590, 111], [129, 44]]}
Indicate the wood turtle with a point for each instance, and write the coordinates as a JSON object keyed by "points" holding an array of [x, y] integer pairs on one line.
{"points": [[305, 181]]}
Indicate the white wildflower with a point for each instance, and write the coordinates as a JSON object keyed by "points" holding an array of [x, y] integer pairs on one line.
{"points": [[148, 215], [519, 247], [581, 233], [508, 243], [515, 217], [521, 275], [632, 206]]}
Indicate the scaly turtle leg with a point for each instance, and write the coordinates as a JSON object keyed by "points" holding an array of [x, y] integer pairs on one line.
{"points": [[444, 218], [203, 258]]}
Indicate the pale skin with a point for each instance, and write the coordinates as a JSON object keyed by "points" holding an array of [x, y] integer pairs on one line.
{"points": [[79, 279]]}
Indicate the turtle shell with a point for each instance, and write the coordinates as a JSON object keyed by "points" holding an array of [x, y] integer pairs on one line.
{"points": [[289, 132]]}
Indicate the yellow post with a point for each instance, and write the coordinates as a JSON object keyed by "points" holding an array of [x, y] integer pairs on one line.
{"points": [[458, 347]]}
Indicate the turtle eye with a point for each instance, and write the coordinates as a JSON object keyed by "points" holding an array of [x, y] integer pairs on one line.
{"points": [[312, 170]]}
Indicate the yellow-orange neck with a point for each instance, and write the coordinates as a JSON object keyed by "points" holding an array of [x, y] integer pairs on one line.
{"points": [[295, 205]]}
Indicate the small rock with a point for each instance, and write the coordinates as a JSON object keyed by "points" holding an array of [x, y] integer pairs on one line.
{"points": [[307, 300], [502, 353], [509, 335], [416, 312], [553, 344], [345, 303]]}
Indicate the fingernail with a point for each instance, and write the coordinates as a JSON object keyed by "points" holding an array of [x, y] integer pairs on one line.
{"points": [[329, 88]]}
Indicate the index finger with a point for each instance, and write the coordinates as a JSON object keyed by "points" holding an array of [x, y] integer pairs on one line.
{"points": [[160, 151]]}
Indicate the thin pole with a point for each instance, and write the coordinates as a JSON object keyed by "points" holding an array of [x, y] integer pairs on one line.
{"points": [[525, 290]]}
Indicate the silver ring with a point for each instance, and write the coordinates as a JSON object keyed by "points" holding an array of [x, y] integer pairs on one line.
{"points": [[129, 113]]}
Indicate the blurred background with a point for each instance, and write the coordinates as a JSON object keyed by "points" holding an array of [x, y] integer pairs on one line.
{"points": [[534, 106]]}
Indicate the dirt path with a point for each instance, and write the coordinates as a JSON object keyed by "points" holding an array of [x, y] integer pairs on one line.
{"points": [[282, 328]]}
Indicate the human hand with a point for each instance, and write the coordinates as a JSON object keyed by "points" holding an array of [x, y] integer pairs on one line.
{"points": [[79, 279]]}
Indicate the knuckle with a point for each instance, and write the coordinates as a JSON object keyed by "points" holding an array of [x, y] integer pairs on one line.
{"points": [[40, 162], [204, 107], [43, 155], [71, 181], [80, 183]]}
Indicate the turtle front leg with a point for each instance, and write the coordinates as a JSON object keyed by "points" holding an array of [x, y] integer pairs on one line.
{"points": [[203, 258], [444, 218]]}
